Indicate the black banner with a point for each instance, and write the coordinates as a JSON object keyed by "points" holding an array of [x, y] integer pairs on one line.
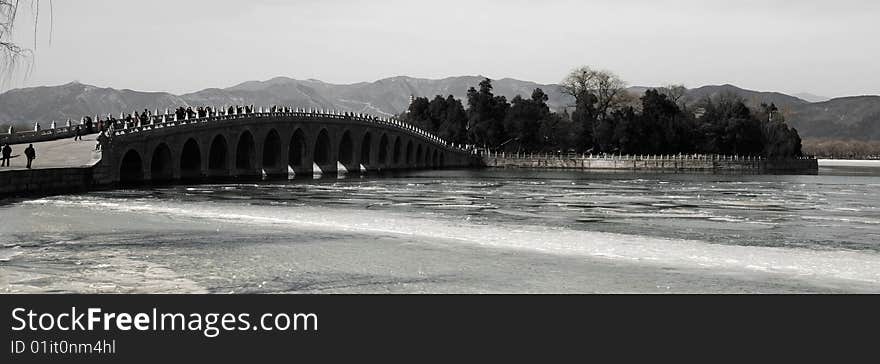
{"points": [[250, 328]]}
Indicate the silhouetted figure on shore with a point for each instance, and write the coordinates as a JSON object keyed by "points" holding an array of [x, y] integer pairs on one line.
{"points": [[7, 153], [77, 133], [31, 154]]}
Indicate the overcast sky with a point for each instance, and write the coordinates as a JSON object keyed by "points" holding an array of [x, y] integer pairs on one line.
{"points": [[829, 48]]}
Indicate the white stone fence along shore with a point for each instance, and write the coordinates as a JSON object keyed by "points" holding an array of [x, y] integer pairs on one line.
{"points": [[668, 162], [628, 157]]}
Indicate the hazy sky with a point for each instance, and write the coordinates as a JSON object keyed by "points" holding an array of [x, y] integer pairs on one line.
{"points": [[830, 48]]}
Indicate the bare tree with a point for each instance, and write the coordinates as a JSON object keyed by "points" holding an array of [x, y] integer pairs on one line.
{"points": [[608, 89], [8, 11], [676, 94], [12, 54]]}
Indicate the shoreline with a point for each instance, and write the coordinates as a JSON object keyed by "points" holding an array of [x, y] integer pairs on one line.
{"points": [[678, 163], [849, 163]]}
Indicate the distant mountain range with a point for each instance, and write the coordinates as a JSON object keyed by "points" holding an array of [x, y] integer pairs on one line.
{"points": [[813, 116]]}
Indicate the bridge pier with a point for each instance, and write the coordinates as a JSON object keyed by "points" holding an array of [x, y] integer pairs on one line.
{"points": [[306, 169], [351, 168], [217, 173], [327, 169], [175, 174]]}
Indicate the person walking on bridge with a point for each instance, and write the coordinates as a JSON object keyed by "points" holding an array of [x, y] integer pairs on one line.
{"points": [[7, 153], [102, 140], [31, 154]]}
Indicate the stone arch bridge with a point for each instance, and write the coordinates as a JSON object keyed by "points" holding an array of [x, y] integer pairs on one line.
{"points": [[272, 144]]}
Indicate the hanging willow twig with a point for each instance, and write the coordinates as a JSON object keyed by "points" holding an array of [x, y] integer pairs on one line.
{"points": [[13, 55]]}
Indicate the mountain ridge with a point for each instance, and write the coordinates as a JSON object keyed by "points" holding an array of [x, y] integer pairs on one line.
{"points": [[845, 117]]}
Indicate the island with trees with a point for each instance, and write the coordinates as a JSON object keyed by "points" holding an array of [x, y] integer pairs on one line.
{"points": [[606, 119]]}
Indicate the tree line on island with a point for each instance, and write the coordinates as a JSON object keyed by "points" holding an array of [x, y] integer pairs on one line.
{"points": [[606, 118]]}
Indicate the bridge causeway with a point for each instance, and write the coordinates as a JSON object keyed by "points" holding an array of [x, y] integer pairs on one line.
{"points": [[272, 143]]}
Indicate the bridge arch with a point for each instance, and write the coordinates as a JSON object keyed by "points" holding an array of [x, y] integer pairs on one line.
{"points": [[383, 150], [296, 154], [346, 149], [442, 160], [435, 160], [397, 157], [272, 150], [426, 161], [323, 154], [191, 160], [218, 155], [245, 152], [419, 156], [366, 149], [161, 168], [409, 154], [131, 169]]}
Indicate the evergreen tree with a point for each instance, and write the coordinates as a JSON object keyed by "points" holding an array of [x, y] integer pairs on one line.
{"points": [[486, 113], [584, 117], [453, 126], [523, 121], [417, 114]]}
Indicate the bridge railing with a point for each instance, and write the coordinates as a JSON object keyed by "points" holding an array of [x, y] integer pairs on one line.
{"points": [[170, 120], [33, 136]]}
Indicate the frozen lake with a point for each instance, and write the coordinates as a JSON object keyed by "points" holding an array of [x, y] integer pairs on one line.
{"points": [[457, 231]]}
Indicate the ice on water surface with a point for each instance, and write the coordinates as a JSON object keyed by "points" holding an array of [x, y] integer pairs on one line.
{"points": [[384, 234]]}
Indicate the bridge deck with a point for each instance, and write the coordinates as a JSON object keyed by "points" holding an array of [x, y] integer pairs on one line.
{"points": [[61, 153]]}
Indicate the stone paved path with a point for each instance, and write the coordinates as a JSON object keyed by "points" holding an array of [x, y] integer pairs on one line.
{"points": [[57, 153]]}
